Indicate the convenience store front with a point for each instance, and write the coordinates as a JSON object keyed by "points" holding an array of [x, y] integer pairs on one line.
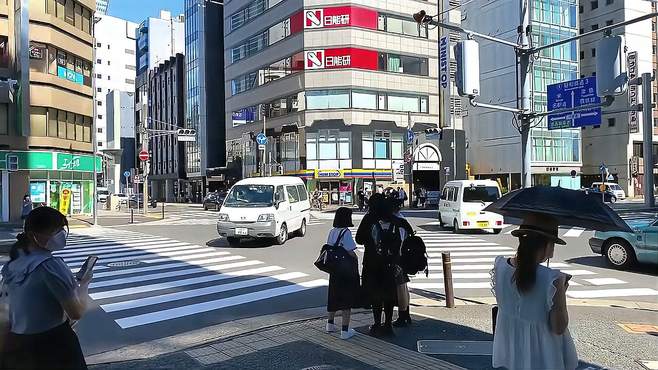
{"points": [[63, 181]]}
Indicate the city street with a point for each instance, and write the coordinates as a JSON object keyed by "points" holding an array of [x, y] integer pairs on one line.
{"points": [[165, 277]]}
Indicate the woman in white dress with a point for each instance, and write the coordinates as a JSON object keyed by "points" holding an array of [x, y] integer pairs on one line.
{"points": [[532, 320]]}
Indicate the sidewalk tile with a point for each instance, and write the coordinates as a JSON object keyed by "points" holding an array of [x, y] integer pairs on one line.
{"points": [[213, 359], [198, 352]]}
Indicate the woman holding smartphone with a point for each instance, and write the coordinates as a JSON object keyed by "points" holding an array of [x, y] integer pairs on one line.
{"points": [[43, 296], [532, 320]]}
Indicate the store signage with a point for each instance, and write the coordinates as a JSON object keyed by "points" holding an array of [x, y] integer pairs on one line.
{"points": [[36, 52], [340, 16], [64, 201], [329, 174], [70, 75], [341, 58], [444, 78], [38, 192], [633, 121], [70, 164]]}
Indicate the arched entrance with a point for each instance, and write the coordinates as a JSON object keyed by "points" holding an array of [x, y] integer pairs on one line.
{"points": [[427, 167]]}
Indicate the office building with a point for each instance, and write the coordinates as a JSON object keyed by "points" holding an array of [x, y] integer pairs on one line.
{"points": [[101, 6], [120, 112], [114, 67], [205, 158], [617, 141], [335, 88], [494, 141], [46, 140], [166, 109]]}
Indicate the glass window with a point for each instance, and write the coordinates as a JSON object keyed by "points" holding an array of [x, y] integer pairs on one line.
{"points": [[37, 121], [397, 149], [367, 145], [79, 128], [344, 145], [78, 16], [311, 146], [477, 194], [293, 194], [364, 99], [59, 10], [327, 99], [403, 103], [50, 7], [61, 124], [381, 22], [52, 122], [70, 126], [394, 25], [86, 129], [303, 195], [69, 12]]}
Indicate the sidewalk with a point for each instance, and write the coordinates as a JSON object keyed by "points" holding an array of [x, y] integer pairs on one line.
{"points": [[458, 338]]}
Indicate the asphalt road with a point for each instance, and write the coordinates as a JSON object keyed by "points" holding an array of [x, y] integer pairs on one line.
{"points": [[165, 277]]}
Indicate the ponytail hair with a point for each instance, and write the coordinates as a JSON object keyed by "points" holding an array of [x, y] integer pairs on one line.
{"points": [[21, 243], [525, 274]]}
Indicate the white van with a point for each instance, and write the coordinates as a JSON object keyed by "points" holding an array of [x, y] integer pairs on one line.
{"points": [[265, 207], [462, 203], [612, 187]]}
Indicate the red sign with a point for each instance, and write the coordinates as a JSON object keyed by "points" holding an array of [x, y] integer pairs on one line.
{"points": [[143, 156], [340, 16], [341, 58]]}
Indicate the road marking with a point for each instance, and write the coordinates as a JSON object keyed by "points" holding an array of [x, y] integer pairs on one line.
{"points": [[452, 244], [165, 266], [186, 258], [144, 257], [465, 260], [180, 283], [482, 285], [577, 272], [116, 247], [604, 281], [173, 313], [434, 249], [574, 232], [456, 275], [612, 293], [171, 297], [166, 247], [170, 274]]}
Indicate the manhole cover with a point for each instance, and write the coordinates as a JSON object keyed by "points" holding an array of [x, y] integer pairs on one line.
{"points": [[123, 263], [455, 347]]}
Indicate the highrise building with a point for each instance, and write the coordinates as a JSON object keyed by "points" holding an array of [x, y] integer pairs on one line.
{"points": [[101, 6], [120, 134], [46, 118], [494, 140], [205, 111], [336, 90], [617, 142]]}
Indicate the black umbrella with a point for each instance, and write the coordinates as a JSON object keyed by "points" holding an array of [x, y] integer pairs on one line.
{"points": [[569, 207]]}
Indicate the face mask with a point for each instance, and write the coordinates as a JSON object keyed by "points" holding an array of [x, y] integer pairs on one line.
{"points": [[57, 241]]}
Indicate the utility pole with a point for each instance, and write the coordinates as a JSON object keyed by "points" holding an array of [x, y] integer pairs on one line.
{"points": [[411, 165], [647, 147], [147, 165], [523, 102]]}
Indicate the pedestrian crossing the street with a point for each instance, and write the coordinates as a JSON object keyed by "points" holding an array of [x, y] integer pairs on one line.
{"points": [[141, 279], [472, 259]]}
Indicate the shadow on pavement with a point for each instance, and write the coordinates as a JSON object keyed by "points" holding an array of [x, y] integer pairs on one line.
{"points": [[245, 243], [599, 261]]}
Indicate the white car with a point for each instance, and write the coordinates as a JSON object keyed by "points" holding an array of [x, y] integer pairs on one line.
{"points": [[265, 207], [612, 187], [462, 203], [123, 198]]}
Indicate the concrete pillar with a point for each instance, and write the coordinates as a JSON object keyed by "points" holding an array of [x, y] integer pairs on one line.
{"points": [[116, 178], [169, 190]]}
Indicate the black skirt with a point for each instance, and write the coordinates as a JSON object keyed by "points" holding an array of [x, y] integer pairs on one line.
{"points": [[57, 348], [344, 291]]}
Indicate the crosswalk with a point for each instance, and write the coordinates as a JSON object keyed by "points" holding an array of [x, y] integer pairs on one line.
{"points": [[141, 279], [472, 260], [199, 217]]}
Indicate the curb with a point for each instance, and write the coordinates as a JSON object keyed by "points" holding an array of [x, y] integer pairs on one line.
{"points": [[490, 301]]}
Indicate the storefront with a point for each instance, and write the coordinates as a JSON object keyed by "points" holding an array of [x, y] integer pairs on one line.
{"points": [[60, 180], [339, 187]]}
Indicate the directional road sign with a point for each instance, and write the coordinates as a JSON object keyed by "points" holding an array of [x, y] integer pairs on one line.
{"points": [[573, 94], [410, 136], [126, 174], [261, 139]]}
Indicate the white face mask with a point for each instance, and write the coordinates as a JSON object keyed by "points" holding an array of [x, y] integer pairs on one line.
{"points": [[58, 241]]}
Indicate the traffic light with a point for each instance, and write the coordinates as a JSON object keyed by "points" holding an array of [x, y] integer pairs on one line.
{"points": [[467, 78], [611, 77], [186, 134]]}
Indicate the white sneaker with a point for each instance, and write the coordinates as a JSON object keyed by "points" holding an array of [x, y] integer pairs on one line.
{"points": [[331, 328], [347, 334]]}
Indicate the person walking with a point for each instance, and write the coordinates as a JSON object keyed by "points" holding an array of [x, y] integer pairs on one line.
{"points": [[532, 320], [343, 290], [379, 233], [43, 296], [361, 196], [27, 207], [402, 197]]}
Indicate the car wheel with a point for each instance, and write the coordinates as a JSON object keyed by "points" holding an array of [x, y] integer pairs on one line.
{"points": [[619, 253], [455, 227], [283, 235], [302, 230], [233, 241], [497, 231]]}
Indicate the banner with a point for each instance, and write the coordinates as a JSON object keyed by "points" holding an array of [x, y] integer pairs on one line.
{"points": [[341, 58], [633, 120], [444, 78], [64, 201]]}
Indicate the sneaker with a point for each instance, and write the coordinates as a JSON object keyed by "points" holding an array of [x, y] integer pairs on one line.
{"points": [[347, 334], [331, 328]]}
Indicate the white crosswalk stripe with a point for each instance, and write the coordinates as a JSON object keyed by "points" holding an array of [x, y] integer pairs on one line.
{"points": [[205, 218], [162, 279], [472, 259]]}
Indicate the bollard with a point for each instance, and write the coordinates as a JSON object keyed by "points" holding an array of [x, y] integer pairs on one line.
{"points": [[132, 216], [447, 279], [163, 210]]}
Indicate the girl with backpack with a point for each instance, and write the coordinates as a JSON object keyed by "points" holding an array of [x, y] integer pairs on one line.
{"points": [[343, 289]]}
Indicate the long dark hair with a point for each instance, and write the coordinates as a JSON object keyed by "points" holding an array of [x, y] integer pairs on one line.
{"points": [[525, 274], [41, 220]]}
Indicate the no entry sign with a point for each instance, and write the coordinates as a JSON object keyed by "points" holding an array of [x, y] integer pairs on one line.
{"points": [[143, 156]]}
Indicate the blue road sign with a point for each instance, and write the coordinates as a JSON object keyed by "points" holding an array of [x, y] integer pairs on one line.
{"points": [[410, 136], [573, 94], [126, 174], [261, 139]]}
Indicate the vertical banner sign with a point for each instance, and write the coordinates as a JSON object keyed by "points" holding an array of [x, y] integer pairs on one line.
{"points": [[444, 77], [64, 201], [633, 120]]}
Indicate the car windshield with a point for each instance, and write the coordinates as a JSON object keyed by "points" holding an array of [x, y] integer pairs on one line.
{"points": [[250, 196], [103, 192], [478, 194], [615, 187]]}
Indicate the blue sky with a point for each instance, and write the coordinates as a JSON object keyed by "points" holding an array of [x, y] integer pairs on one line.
{"points": [[138, 10]]}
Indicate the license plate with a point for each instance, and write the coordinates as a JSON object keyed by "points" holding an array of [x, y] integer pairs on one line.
{"points": [[241, 231], [483, 223]]}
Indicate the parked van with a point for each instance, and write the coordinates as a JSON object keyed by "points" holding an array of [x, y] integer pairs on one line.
{"points": [[265, 207], [612, 187], [462, 203], [102, 194]]}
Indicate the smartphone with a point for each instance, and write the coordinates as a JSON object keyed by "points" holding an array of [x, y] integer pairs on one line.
{"points": [[86, 268]]}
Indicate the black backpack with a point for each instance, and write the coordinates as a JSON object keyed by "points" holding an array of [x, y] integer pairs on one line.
{"points": [[413, 256], [387, 241]]}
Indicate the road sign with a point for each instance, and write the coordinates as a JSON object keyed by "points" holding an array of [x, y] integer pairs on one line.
{"points": [[261, 147], [573, 94], [143, 156], [631, 64], [261, 139], [126, 174], [410, 136]]}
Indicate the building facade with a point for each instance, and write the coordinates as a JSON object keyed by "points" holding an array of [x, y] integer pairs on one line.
{"points": [[494, 140], [166, 110], [101, 6], [617, 142], [120, 112], [46, 118], [158, 39], [205, 158], [114, 67], [335, 88]]}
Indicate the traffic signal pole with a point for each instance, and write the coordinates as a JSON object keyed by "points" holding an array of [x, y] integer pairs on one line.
{"points": [[523, 102], [647, 146]]}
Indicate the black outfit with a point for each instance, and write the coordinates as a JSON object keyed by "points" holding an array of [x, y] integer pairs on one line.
{"points": [[57, 348], [344, 290], [361, 199]]}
